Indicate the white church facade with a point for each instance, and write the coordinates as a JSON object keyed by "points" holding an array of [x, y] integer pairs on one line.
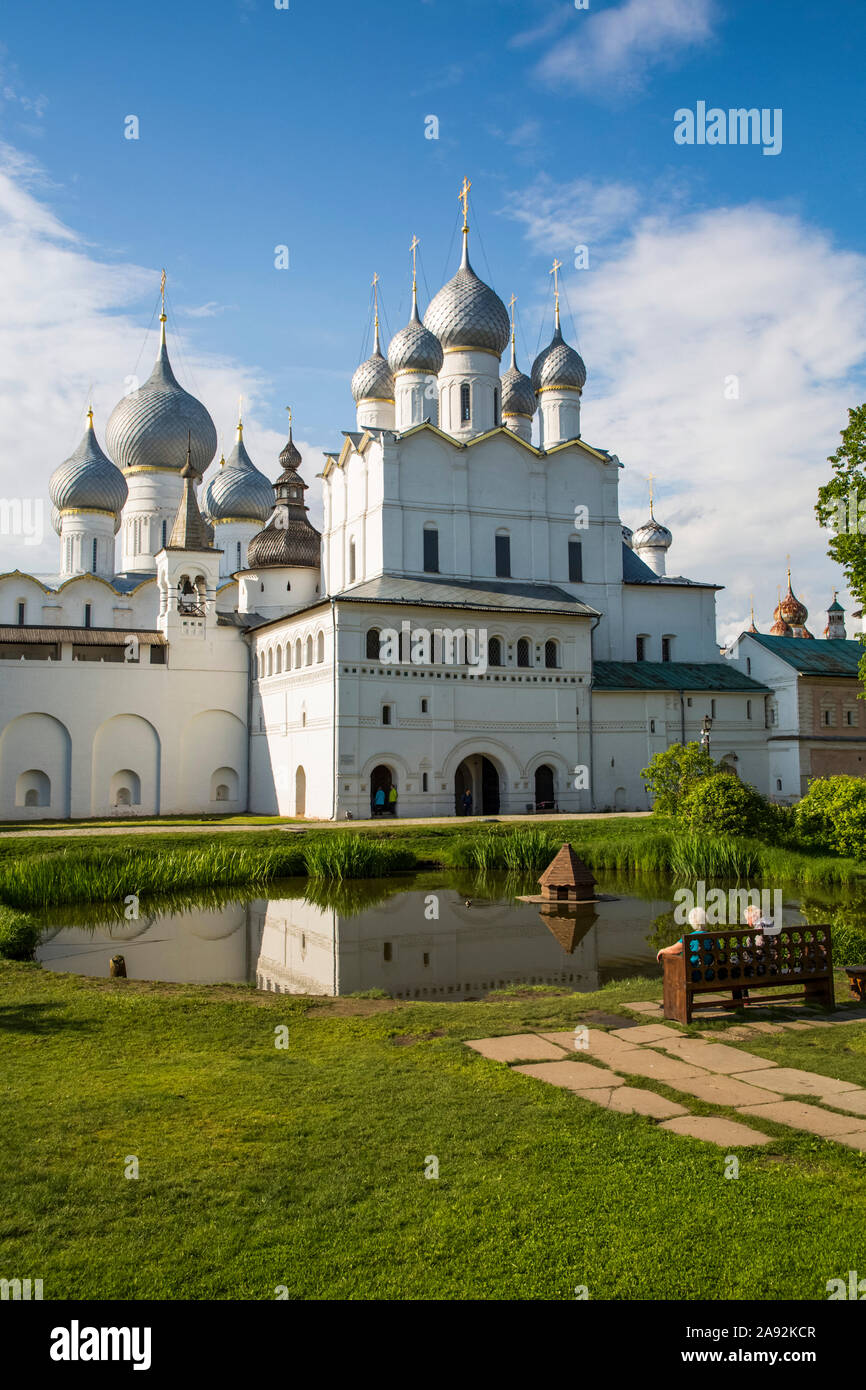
{"points": [[237, 660]]}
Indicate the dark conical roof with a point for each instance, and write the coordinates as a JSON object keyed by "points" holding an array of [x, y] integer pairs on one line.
{"points": [[289, 539], [190, 530], [566, 871]]}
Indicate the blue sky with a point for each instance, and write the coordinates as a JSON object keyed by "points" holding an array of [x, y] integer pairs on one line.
{"points": [[306, 127]]}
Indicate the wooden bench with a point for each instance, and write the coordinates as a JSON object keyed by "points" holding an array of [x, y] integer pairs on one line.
{"points": [[797, 963]]}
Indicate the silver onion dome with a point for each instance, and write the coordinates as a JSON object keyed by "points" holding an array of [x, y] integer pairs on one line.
{"points": [[88, 480], [518, 397], [289, 539], [651, 536], [150, 427], [373, 380], [558, 365], [238, 490], [415, 348], [467, 313]]}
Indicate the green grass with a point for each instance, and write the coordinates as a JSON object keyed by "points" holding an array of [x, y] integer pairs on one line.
{"points": [[305, 1168]]}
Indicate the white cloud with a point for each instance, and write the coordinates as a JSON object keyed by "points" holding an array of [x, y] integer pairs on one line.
{"points": [[72, 329], [682, 303], [557, 216], [612, 49]]}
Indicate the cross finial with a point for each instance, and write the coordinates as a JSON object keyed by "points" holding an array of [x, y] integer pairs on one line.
{"points": [[414, 249], [289, 409], [511, 303], [651, 480], [554, 271], [162, 294], [463, 197], [375, 283], [240, 417], [90, 427]]}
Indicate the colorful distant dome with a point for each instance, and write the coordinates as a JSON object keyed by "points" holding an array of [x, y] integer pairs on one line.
{"points": [[791, 610], [238, 490], [150, 428], [88, 480], [467, 313]]}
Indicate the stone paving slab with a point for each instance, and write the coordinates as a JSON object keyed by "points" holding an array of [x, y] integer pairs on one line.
{"points": [[740, 1033], [724, 1090], [852, 1141], [573, 1076], [759, 1027], [517, 1047], [604, 1047], [798, 1027], [714, 1056], [646, 1006], [632, 1101], [791, 1081], [647, 1033], [852, 1101], [726, 1133], [658, 1067], [797, 1115]]}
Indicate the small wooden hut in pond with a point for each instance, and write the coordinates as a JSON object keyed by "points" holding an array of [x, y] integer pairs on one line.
{"points": [[567, 879]]}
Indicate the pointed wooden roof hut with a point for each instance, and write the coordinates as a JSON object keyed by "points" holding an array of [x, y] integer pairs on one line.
{"points": [[567, 879]]}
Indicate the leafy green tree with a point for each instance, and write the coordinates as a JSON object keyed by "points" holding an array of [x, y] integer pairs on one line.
{"points": [[839, 508], [832, 815], [672, 773], [723, 805]]}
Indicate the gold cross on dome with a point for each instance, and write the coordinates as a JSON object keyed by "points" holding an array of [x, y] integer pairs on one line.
{"points": [[414, 249], [463, 197], [651, 480], [289, 409], [554, 271], [511, 303], [162, 288]]}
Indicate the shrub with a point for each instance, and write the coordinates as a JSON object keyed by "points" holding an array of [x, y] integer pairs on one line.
{"points": [[832, 815], [723, 805], [19, 936], [672, 773]]}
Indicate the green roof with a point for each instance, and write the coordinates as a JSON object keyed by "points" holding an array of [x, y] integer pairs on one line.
{"points": [[672, 675], [819, 657]]}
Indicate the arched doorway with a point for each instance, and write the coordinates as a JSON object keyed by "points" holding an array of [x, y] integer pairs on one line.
{"points": [[479, 777], [300, 792], [545, 797], [381, 780]]}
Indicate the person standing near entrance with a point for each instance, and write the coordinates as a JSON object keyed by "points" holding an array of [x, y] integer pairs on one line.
{"points": [[467, 802], [379, 802], [392, 800]]}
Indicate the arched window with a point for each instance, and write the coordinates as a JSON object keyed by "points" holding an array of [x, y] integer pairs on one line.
{"points": [[320, 646], [352, 560], [465, 405], [297, 653], [238, 562], [550, 660], [288, 656], [88, 615], [523, 651], [494, 652], [164, 534], [373, 644], [308, 652], [503, 555], [279, 660], [270, 662], [22, 612], [261, 664], [94, 551], [575, 561], [431, 549]]}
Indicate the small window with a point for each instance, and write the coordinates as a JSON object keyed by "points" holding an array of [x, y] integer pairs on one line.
{"points": [[748, 665], [850, 716], [424, 782], [666, 649], [373, 644], [778, 784], [550, 655], [748, 709], [652, 726], [352, 560], [494, 652], [575, 562], [238, 554], [165, 534], [88, 615], [308, 652], [712, 709], [689, 701], [279, 660], [22, 608], [320, 646], [386, 950], [825, 717], [386, 714], [640, 649], [94, 552], [424, 706], [503, 557], [465, 410], [523, 651], [431, 550]]}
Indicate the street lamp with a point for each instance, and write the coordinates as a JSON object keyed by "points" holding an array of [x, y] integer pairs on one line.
{"points": [[706, 725]]}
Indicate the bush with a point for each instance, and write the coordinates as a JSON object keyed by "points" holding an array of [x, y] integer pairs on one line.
{"points": [[19, 937], [832, 815], [673, 773], [723, 805]]}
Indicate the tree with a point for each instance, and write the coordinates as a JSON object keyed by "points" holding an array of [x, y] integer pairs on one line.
{"points": [[723, 805], [672, 773], [839, 508]]}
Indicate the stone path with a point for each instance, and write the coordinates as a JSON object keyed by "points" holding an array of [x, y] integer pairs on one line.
{"points": [[597, 1066]]}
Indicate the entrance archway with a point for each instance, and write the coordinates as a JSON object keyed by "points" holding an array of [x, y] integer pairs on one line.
{"points": [[380, 780], [300, 792], [479, 777], [545, 797]]}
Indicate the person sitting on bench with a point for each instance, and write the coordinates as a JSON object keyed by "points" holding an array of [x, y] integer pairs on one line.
{"points": [[697, 920]]}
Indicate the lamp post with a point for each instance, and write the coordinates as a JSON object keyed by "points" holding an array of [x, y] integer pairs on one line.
{"points": [[706, 725]]}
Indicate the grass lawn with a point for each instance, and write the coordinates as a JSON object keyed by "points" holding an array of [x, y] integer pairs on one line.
{"points": [[305, 1168]]}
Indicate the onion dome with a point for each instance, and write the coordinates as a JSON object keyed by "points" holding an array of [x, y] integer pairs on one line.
{"points": [[414, 348], [238, 492], [466, 313], [518, 397], [652, 536], [558, 366], [88, 480], [373, 380], [780, 628], [150, 428], [289, 539], [791, 610]]}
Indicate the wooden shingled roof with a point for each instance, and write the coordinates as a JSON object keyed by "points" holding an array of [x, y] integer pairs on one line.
{"points": [[566, 871]]}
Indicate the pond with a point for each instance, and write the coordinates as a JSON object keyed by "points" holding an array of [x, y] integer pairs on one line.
{"points": [[423, 936]]}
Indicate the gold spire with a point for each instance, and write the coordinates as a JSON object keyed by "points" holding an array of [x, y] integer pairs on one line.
{"points": [[162, 310], [651, 480], [376, 347], [554, 271], [463, 197], [511, 303], [240, 418]]}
